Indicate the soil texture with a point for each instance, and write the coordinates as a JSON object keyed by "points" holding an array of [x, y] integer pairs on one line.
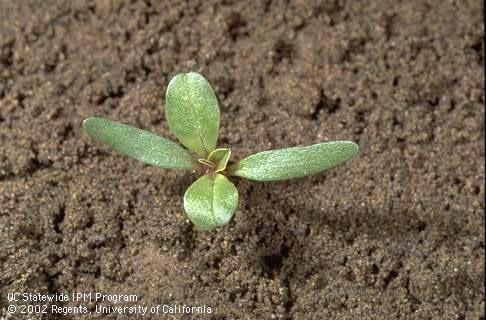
{"points": [[396, 233]]}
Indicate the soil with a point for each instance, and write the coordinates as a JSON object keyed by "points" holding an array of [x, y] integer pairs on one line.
{"points": [[396, 233]]}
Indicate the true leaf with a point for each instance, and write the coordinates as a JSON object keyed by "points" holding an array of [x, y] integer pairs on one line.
{"points": [[138, 143], [294, 162], [192, 112], [211, 201], [207, 163], [220, 157]]}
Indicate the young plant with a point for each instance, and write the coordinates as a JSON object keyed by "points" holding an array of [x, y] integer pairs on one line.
{"points": [[192, 112]]}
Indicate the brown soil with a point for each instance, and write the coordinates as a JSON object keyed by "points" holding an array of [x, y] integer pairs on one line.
{"points": [[397, 233]]}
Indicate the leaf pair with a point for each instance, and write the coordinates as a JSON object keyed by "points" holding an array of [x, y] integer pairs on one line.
{"points": [[192, 112]]}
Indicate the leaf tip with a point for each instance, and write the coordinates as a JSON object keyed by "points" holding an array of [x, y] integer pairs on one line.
{"points": [[86, 122], [89, 124], [349, 149], [354, 147]]}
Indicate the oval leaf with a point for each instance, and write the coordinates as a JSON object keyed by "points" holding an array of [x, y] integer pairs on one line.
{"points": [[220, 157], [211, 201], [139, 144], [294, 162], [192, 112]]}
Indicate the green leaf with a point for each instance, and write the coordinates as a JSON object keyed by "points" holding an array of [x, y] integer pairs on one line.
{"points": [[139, 144], [192, 112], [220, 157], [211, 201], [294, 162]]}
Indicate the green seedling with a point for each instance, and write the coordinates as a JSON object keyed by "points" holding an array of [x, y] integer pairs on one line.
{"points": [[192, 112]]}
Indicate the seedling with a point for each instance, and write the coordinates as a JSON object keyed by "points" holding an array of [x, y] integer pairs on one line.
{"points": [[192, 112]]}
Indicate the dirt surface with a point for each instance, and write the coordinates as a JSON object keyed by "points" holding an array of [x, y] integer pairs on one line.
{"points": [[397, 233]]}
